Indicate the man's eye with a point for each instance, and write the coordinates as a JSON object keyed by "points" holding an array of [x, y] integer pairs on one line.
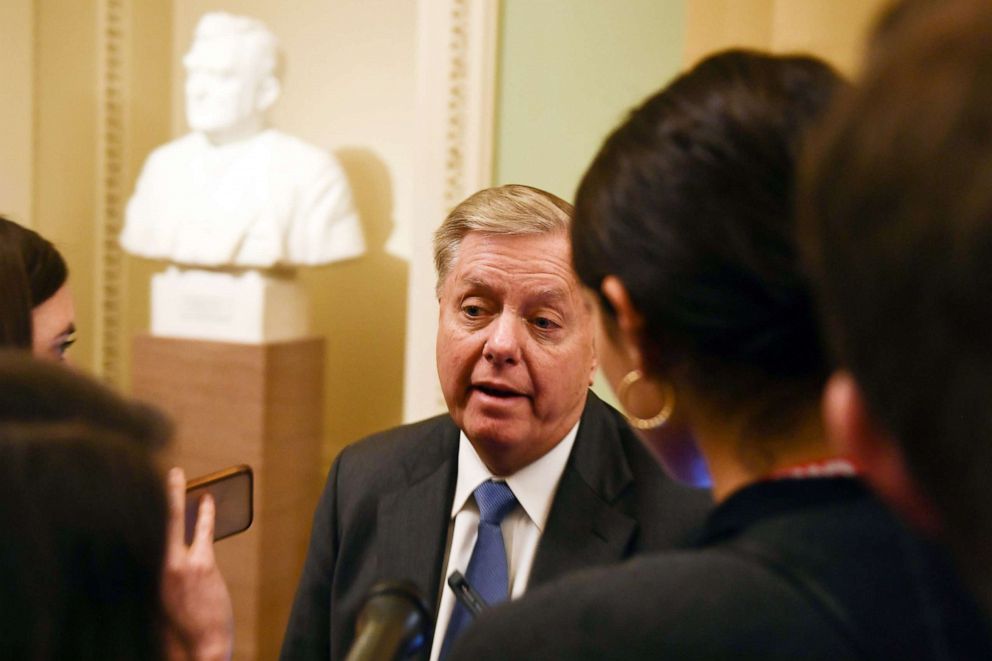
{"points": [[544, 323], [472, 310]]}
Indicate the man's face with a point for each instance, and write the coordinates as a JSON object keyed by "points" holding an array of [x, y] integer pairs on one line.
{"points": [[222, 84], [515, 350]]}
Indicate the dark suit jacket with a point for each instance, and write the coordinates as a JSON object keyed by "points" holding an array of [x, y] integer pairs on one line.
{"points": [[793, 569], [385, 511]]}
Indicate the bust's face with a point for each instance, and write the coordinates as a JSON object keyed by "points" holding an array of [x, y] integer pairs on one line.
{"points": [[223, 80]]}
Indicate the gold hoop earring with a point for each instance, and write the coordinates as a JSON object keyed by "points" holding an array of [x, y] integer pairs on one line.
{"points": [[629, 379]]}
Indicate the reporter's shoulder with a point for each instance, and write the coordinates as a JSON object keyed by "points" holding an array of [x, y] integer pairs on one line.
{"points": [[686, 605], [305, 157]]}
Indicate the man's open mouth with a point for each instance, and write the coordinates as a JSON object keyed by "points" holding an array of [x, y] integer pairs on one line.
{"points": [[497, 392]]}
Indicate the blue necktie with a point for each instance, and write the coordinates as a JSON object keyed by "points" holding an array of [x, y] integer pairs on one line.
{"points": [[487, 569]]}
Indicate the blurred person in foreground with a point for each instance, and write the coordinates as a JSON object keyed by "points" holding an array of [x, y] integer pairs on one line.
{"points": [[92, 546], [529, 475], [38, 311], [898, 225], [684, 232]]}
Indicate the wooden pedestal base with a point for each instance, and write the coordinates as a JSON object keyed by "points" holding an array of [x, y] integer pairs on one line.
{"points": [[259, 405]]}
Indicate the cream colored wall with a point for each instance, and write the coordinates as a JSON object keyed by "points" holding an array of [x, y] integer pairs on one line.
{"points": [[50, 132], [348, 87], [16, 74], [149, 125], [832, 29], [65, 148]]}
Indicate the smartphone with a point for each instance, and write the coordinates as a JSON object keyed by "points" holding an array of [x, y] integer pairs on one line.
{"points": [[232, 491]]}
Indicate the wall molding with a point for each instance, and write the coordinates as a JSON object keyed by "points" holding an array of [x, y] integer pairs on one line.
{"points": [[112, 191], [17, 135]]}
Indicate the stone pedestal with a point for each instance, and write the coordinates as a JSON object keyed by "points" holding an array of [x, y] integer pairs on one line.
{"points": [[250, 307], [258, 405]]}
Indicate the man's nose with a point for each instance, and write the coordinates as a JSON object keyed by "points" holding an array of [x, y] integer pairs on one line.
{"points": [[503, 344]]}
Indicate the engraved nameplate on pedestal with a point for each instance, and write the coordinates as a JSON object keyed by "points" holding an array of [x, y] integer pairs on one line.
{"points": [[247, 307]]}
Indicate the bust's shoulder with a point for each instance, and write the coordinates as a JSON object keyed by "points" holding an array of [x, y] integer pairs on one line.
{"points": [[289, 148], [176, 152], [187, 143]]}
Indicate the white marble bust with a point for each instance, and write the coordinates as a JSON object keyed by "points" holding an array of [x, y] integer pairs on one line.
{"points": [[234, 192]]}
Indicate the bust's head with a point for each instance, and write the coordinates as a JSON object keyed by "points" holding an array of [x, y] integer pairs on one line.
{"points": [[231, 76]]}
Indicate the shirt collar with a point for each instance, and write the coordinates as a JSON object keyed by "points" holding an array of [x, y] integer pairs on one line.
{"points": [[534, 485]]}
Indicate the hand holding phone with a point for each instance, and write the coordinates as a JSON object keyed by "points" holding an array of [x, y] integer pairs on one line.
{"points": [[232, 492], [200, 620]]}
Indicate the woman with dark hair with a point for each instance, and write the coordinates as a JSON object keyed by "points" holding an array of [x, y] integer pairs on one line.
{"points": [[38, 312], [685, 231], [83, 514], [91, 537]]}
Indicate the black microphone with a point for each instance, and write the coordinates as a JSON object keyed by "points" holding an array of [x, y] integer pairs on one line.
{"points": [[394, 623], [466, 594]]}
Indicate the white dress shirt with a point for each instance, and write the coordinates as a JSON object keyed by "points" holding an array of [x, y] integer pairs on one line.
{"points": [[534, 487]]}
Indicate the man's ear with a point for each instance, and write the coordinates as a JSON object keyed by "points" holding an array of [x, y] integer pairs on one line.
{"points": [[858, 436], [630, 323], [268, 92]]}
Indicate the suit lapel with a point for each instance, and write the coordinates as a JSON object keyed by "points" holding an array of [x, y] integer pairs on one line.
{"points": [[413, 521], [584, 528]]}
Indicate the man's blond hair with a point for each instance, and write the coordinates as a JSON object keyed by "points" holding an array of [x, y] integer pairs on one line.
{"points": [[512, 209]]}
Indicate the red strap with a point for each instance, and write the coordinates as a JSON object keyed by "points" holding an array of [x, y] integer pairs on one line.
{"points": [[832, 467]]}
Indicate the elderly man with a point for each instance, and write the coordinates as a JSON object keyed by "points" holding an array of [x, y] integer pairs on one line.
{"points": [[234, 192], [529, 476]]}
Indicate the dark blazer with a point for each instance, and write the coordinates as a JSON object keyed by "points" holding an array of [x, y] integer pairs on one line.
{"points": [[385, 511], [793, 569]]}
